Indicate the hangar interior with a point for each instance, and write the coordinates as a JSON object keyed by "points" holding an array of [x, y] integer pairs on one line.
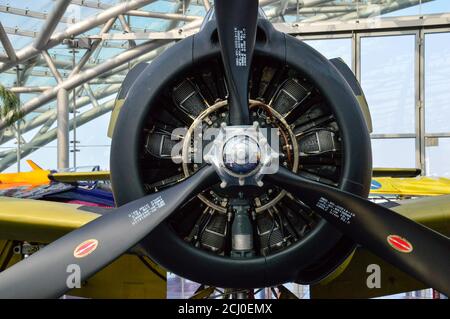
{"points": [[397, 49], [66, 60]]}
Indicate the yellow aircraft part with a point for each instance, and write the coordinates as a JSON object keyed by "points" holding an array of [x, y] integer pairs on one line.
{"points": [[37, 176], [127, 277], [43, 222], [433, 212], [71, 177], [349, 281], [39, 221], [339, 270], [114, 115], [34, 166], [203, 293], [352, 283], [419, 186]]}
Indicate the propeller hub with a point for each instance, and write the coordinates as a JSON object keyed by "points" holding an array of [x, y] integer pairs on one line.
{"points": [[241, 154]]}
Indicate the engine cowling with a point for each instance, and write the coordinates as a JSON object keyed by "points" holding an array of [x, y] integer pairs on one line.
{"points": [[324, 137]]}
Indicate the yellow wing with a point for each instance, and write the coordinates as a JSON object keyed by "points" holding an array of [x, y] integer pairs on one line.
{"points": [[71, 177], [419, 186], [433, 212], [37, 176], [43, 222], [37, 221]]}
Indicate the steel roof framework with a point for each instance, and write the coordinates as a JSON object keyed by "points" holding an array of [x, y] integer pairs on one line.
{"points": [[111, 28]]}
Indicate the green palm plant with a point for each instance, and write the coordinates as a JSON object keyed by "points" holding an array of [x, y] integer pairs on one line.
{"points": [[9, 106]]}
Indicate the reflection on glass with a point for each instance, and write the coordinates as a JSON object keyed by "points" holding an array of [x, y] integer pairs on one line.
{"points": [[437, 158], [387, 78], [394, 153], [334, 48], [45, 157], [437, 83], [92, 156], [343, 10], [94, 133], [93, 143], [426, 7]]}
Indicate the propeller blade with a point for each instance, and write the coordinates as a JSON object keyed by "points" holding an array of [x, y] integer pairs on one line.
{"points": [[52, 271], [236, 27], [413, 248]]}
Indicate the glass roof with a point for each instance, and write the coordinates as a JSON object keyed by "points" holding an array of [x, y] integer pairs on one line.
{"points": [[23, 20]]}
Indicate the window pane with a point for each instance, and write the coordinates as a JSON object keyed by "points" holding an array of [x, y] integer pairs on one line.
{"points": [[437, 158], [394, 152], [334, 48], [312, 11], [28, 136], [93, 143], [92, 156], [436, 6], [437, 83], [94, 132], [387, 78], [408, 8], [5, 150], [45, 157]]}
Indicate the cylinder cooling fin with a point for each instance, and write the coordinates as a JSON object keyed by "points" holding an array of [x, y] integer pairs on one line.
{"points": [[309, 144]]}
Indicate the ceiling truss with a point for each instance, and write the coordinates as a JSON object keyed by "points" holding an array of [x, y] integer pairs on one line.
{"points": [[135, 44]]}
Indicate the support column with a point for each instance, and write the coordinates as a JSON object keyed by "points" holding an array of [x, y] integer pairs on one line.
{"points": [[18, 136], [63, 128]]}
